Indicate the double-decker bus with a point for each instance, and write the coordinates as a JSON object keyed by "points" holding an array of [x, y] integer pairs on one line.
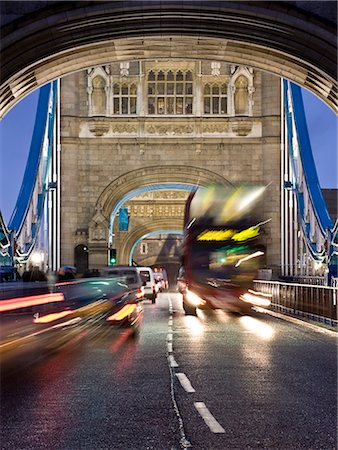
{"points": [[222, 249]]}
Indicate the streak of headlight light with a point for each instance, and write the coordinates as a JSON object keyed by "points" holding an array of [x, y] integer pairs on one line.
{"points": [[255, 300], [25, 302], [194, 325], [260, 329], [124, 312], [250, 198], [246, 258], [51, 317], [263, 294]]}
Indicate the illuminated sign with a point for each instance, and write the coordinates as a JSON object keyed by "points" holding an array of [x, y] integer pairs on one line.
{"points": [[225, 235]]}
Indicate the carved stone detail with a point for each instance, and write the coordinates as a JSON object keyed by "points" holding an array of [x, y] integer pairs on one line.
{"points": [[98, 127], [216, 128], [124, 128], [242, 127], [170, 130]]}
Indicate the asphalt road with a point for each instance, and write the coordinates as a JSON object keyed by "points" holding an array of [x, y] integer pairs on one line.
{"points": [[216, 381]]}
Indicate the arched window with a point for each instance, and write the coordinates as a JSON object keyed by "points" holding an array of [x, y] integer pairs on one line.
{"points": [[215, 98], [124, 98], [99, 101], [170, 92], [241, 95]]}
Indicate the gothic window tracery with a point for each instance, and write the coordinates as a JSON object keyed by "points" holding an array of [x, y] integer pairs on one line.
{"points": [[170, 92], [124, 98], [215, 98]]}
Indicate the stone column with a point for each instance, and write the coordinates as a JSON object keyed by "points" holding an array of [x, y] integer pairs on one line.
{"points": [[97, 255]]}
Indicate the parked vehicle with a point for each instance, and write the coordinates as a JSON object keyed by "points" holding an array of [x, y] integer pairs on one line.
{"points": [[150, 286]]}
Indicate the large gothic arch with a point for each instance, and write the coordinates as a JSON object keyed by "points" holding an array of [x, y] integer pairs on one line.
{"points": [[117, 189], [151, 226], [295, 40], [148, 176]]}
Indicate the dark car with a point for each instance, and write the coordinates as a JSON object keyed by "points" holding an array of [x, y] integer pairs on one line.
{"points": [[35, 317]]}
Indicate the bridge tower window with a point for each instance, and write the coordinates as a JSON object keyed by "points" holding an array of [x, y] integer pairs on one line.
{"points": [[124, 98], [215, 98], [144, 248], [170, 92]]}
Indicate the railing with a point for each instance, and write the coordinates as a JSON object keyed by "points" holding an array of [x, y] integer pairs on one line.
{"points": [[313, 280], [318, 303]]}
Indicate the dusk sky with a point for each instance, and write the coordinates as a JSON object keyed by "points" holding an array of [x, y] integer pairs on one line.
{"points": [[17, 126]]}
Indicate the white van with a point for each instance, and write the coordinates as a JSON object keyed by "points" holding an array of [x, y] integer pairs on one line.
{"points": [[150, 286]]}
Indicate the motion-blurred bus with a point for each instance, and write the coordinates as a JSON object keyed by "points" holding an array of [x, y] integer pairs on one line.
{"points": [[222, 249]]}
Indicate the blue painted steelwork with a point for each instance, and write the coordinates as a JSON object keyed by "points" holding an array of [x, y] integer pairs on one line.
{"points": [[35, 179], [306, 188], [153, 233], [6, 250]]}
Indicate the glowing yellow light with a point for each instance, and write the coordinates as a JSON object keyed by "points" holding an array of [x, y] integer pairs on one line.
{"points": [[246, 234], [123, 313], [224, 235], [215, 235], [51, 317]]}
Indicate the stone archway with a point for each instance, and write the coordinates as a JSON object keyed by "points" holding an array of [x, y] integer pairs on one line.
{"points": [[117, 189], [148, 227], [289, 39]]}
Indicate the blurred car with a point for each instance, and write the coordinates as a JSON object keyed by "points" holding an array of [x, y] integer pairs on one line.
{"points": [[128, 275], [150, 286], [35, 317]]}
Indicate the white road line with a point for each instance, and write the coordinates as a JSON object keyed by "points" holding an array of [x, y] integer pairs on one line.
{"points": [[185, 382], [169, 337], [170, 347], [208, 418], [170, 322], [172, 361]]}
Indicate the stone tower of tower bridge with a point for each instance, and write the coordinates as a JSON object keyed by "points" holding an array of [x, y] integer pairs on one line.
{"points": [[131, 126]]}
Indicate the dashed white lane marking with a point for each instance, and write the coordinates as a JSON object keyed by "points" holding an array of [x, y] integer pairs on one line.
{"points": [[185, 382], [170, 347], [208, 418], [170, 322], [172, 361], [169, 337]]}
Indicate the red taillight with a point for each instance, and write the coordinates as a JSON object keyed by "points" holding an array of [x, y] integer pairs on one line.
{"points": [[139, 293]]}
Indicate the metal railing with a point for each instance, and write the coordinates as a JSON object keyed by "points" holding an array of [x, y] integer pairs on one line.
{"points": [[318, 303]]}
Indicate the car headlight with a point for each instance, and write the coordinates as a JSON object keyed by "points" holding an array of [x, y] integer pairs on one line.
{"points": [[194, 299]]}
